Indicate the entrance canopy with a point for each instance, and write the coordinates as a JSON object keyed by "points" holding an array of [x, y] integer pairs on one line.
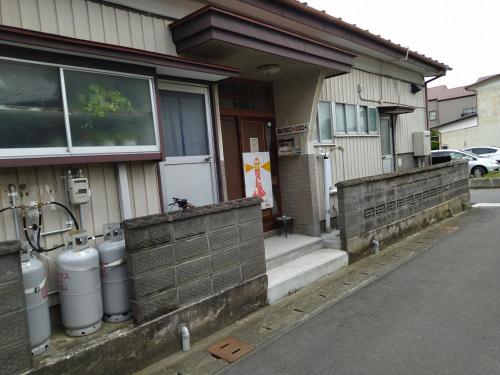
{"points": [[396, 109], [261, 51]]}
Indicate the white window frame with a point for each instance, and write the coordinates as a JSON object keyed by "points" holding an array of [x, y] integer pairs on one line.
{"points": [[69, 150], [336, 133]]}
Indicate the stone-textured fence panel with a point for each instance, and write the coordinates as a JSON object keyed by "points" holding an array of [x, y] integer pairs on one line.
{"points": [[385, 206], [184, 257]]}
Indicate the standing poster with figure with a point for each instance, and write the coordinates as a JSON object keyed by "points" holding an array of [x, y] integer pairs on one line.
{"points": [[258, 183]]}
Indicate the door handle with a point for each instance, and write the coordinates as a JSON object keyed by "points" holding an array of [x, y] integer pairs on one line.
{"points": [[208, 158]]}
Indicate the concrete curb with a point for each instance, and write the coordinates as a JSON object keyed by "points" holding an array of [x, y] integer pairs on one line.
{"points": [[484, 183]]}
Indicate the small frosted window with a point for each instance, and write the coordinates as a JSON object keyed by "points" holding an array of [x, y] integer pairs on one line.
{"points": [[350, 111], [340, 118], [363, 119], [324, 121]]}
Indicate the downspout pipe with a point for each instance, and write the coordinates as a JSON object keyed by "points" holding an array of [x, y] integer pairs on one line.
{"points": [[425, 93], [327, 180]]}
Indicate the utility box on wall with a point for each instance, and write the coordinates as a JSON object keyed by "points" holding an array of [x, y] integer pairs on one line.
{"points": [[422, 143]]}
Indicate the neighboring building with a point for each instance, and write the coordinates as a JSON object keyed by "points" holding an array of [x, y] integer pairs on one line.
{"points": [[481, 128], [159, 99], [446, 105]]}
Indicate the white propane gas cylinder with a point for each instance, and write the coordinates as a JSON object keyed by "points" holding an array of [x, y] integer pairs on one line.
{"points": [[80, 287], [37, 304], [114, 275]]}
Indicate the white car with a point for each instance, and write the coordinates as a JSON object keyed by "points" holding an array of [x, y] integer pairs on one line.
{"points": [[478, 165], [486, 151]]}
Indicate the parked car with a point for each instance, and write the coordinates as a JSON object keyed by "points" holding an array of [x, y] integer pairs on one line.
{"points": [[478, 165], [486, 151]]}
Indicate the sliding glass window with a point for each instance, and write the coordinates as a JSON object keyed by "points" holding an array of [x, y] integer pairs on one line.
{"points": [[55, 110]]}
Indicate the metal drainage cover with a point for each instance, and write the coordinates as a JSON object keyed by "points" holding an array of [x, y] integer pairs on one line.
{"points": [[230, 349]]}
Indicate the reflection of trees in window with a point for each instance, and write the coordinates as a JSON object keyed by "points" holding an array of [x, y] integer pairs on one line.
{"points": [[31, 111]]}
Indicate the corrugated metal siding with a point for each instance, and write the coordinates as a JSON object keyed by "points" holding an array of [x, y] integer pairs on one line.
{"points": [[45, 184], [90, 21], [362, 155]]}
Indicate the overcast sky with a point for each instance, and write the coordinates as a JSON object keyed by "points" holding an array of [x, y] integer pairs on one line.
{"points": [[463, 34]]}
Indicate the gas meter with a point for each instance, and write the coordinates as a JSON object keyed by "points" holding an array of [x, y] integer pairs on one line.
{"points": [[78, 190]]}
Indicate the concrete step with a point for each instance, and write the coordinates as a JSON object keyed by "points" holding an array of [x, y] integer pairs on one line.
{"points": [[280, 249], [332, 240], [304, 270]]}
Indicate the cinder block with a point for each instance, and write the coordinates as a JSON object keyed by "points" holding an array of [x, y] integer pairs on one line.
{"points": [[154, 306], [223, 239], [195, 291], [149, 260], [147, 237], [10, 267], [251, 231], [253, 268], [16, 359], [193, 270], [252, 249], [249, 213], [152, 283], [227, 278], [189, 227], [11, 297], [13, 328], [221, 219], [190, 249], [226, 258]]}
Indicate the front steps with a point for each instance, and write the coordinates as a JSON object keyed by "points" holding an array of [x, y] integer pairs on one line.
{"points": [[297, 261]]}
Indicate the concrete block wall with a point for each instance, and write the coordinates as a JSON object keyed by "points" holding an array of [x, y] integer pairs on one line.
{"points": [[371, 207], [298, 192], [188, 256], [15, 349]]}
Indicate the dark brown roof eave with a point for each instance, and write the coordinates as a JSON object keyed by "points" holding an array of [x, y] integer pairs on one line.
{"points": [[36, 39]]}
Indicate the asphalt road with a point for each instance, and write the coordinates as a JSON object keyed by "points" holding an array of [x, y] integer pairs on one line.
{"points": [[437, 314], [485, 196]]}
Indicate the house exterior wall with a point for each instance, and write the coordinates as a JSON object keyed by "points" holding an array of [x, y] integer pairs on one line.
{"points": [[451, 109], [44, 184], [361, 155], [90, 20], [487, 131]]}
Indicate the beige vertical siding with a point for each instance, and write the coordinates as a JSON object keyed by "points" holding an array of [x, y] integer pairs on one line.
{"points": [[362, 155], [45, 184], [93, 21]]}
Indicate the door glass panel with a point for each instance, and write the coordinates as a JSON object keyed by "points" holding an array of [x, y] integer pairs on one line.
{"points": [[184, 123], [31, 111], [109, 110], [385, 134]]}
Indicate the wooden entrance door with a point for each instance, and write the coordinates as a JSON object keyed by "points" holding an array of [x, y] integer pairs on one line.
{"points": [[248, 134]]}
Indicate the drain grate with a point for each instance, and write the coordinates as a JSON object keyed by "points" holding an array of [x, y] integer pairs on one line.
{"points": [[230, 349]]}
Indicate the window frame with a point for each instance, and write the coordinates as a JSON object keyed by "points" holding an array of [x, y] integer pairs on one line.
{"points": [[69, 150], [336, 133]]}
